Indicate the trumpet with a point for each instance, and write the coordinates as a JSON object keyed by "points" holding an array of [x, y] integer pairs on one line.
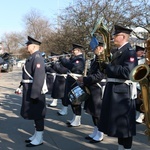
{"points": [[58, 56], [49, 63]]}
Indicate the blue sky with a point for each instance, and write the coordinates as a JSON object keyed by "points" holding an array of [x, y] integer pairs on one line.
{"points": [[13, 11]]}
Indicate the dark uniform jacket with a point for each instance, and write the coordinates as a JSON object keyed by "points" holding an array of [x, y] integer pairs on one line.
{"points": [[94, 84], [50, 78], [75, 65], [118, 109], [33, 102], [60, 80]]}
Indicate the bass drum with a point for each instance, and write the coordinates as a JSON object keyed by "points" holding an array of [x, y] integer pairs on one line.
{"points": [[78, 95]]}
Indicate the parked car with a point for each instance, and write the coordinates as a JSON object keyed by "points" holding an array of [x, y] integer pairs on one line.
{"points": [[7, 65]]}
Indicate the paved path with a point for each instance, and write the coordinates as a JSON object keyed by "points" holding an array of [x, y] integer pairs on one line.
{"points": [[57, 136]]}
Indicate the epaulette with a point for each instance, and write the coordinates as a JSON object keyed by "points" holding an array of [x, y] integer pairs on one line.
{"points": [[130, 49], [37, 55]]}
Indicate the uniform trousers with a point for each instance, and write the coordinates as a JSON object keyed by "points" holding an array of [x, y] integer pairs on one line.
{"points": [[95, 120], [138, 103], [76, 109], [39, 124]]}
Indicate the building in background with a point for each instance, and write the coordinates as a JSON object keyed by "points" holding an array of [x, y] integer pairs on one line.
{"points": [[142, 34]]}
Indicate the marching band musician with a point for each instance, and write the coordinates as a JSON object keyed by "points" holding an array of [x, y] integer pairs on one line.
{"points": [[59, 83], [33, 100], [140, 52], [76, 66], [117, 118], [51, 75], [94, 81]]}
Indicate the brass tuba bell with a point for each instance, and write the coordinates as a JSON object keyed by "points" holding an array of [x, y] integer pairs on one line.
{"points": [[100, 30], [141, 74]]}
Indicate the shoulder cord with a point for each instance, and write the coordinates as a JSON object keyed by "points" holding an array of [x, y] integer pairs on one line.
{"points": [[27, 72]]}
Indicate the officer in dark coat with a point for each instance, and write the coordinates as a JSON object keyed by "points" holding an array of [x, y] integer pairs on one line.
{"points": [[95, 82], [57, 87], [76, 66], [117, 117], [50, 74], [59, 83], [33, 100], [50, 77]]}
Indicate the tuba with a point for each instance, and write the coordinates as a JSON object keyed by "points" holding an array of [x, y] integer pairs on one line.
{"points": [[141, 74], [100, 30]]}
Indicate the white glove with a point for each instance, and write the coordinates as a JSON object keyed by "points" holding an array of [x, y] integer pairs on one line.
{"points": [[18, 91]]}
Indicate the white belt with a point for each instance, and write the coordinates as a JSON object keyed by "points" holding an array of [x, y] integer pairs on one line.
{"points": [[119, 80], [132, 85], [103, 80], [75, 75], [62, 75], [27, 81], [51, 73]]}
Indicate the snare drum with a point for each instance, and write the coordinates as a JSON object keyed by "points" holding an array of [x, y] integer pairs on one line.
{"points": [[77, 95]]}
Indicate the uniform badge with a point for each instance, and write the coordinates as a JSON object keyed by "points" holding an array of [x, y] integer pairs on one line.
{"points": [[77, 61], [131, 59], [38, 65]]}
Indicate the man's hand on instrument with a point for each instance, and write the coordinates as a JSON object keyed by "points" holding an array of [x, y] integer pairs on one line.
{"points": [[80, 79]]}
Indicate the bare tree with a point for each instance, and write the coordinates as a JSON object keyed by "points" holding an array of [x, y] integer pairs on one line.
{"points": [[77, 21], [38, 27], [12, 42]]}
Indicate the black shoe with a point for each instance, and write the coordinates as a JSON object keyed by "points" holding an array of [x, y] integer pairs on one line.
{"points": [[31, 145], [94, 141], [27, 141], [59, 114], [138, 123], [68, 123], [88, 138]]}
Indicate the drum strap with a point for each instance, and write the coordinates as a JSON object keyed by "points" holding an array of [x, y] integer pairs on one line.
{"points": [[74, 75]]}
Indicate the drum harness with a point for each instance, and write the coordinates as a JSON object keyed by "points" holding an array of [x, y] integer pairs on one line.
{"points": [[74, 75]]}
